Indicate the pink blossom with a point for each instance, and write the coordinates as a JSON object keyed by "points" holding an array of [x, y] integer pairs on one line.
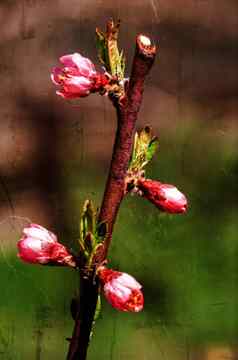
{"points": [[77, 78], [121, 290], [166, 197], [40, 246]]}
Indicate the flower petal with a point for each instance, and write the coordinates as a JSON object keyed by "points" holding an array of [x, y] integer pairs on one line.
{"points": [[84, 65], [39, 232], [57, 75], [128, 281], [121, 290], [66, 95], [77, 85], [67, 60]]}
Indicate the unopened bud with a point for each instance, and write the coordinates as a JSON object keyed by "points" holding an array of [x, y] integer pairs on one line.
{"points": [[166, 197], [121, 290], [40, 246], [77, 78]]}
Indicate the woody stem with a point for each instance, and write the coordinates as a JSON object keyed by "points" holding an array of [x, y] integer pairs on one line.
{"points": [[127, 109]]}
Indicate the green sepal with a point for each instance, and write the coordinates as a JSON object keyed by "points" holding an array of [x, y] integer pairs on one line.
{"points": [[134, 150], [144, 148]]}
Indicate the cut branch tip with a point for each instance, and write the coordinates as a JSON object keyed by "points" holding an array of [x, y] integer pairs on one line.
{"points": [[145, 45], [145, 41]]}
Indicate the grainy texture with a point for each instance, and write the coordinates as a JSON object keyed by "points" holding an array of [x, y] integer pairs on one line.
{"points": [[56, 154]]}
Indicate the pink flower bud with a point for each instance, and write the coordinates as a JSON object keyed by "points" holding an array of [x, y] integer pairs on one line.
{"points": [[77, 78], [40, 246], [121, 290], [166, 197]]}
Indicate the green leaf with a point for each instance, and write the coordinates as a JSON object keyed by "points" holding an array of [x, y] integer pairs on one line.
{"points": [[96, 314], [101, 44], [123, 64], [120, 64], [146, 135], [144, 148], [87, 221], [108, 52], [98, 308], [89, 242], [135, 147], [152, 148], [83, 249]]}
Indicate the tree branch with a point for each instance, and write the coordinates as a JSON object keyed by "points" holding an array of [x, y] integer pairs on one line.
{"points": [[89, 290], [127, 109]]}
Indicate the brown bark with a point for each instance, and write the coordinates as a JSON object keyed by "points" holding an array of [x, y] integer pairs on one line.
{"points": [[84, 318]]}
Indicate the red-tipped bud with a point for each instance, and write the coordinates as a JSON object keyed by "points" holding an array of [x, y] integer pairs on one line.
{"points": [[40, 246], [77, 78], [166, 197], [121, 290]]}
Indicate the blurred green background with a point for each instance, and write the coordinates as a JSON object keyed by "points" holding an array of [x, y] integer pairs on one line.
{"points": [[55, 154]]}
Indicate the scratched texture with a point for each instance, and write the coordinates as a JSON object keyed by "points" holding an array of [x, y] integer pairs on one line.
{"points": [[53, 155]]}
